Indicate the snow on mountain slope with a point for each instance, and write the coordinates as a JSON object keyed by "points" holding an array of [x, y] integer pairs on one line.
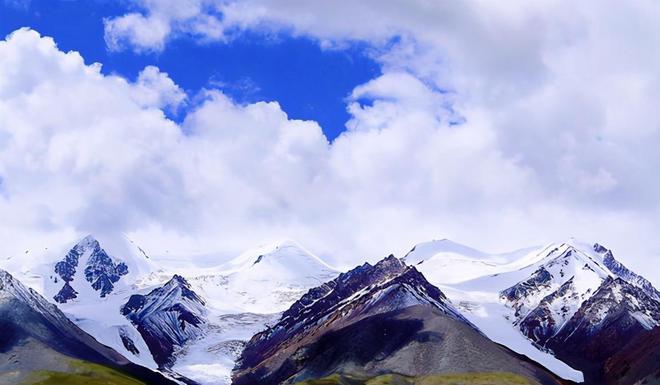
{"points": [[481, 293], [37, 336], [622, 271], [566, 277], [451, 262], [211, 359], [243, 296], [168, 317], [264, 280], [485, 310], [89, 281], [99, 275], [617, 313], [534, 294], [382, 318]]}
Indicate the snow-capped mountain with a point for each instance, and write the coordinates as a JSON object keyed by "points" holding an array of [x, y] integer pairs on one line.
{"points": [[386, 286], [88, 270], [546, 295], [603, 325], [567, 305], [168, 317], [37, 336], [100, 276], [93, 266], [385, 318], [264, 280], [90, 280], [243, 296], [553, 293], [194, 324]]}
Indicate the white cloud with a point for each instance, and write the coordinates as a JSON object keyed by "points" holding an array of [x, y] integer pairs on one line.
{"points": [[558, 134], [149, 30], [143, 33], [155, 89]]}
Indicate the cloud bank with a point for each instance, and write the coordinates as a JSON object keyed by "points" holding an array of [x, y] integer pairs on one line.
{"points": [[495, 127]]}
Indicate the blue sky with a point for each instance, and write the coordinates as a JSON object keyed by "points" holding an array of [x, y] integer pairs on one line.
{"points": [[309, 82]]}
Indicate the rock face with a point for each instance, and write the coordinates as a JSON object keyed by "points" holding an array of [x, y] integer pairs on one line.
{"points": [[99, 269], [617, 313], [620, 270], [372, 320], [520, 294], [637, 362], [102, 272], [36, 335], [167, 318]]}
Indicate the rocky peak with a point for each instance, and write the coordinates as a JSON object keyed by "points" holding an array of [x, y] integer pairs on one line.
{"points": [[88, 242], [178, 285], [7, 282], [100, 270], [600, 249], [363, 291], [620, 270], [167, 318]]}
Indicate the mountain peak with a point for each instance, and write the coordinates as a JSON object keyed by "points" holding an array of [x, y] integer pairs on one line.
{"points": [[390, 263], [285, 253], [88, 241], [427, 250], [621, 271], [388, 285], [368, 318], [167, 318], [5, 277], [179, 280], [9, 284], [40, 338], [98, 268]]}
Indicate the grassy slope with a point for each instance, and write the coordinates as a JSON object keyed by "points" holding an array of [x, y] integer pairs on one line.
{"points": [[442, 379], [80, 373]]}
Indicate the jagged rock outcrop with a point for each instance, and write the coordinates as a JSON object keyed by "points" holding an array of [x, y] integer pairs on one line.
{"points": [[99, 270], [167, 318]]}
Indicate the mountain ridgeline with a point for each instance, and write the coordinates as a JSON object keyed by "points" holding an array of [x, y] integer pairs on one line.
{"points": [[385, 318], [277, 314]]}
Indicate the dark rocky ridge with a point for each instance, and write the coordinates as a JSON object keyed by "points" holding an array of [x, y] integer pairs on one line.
{"points": [[540, 278], [167, 318], [36, 335], [372, 320], [623, 272], [603, 325], [539, 324]]}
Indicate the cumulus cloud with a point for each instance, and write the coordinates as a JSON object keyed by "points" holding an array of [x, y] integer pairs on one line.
{"points": [[155, 89], [496, 126]]}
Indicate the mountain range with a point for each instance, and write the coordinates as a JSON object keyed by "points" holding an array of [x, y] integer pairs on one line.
{"points": [[562, 313]]}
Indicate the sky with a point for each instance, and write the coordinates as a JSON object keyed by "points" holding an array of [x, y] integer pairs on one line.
{"points": [[356, 128]]}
